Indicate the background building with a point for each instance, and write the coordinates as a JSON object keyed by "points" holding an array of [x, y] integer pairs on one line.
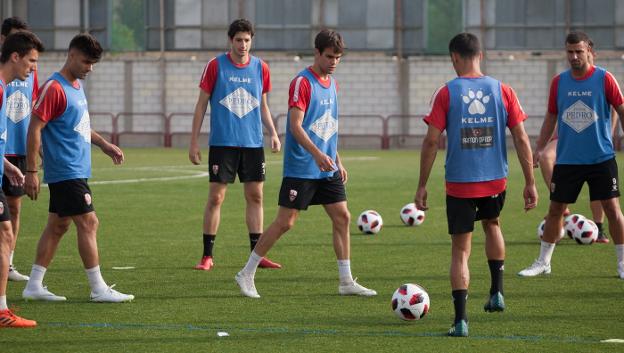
{"points": [[146, 86]]}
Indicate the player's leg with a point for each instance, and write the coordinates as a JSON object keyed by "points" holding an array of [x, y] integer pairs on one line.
{"points": [[283, 222], [547, 161], [613, 212], [222, 165], [212, 218], [46, 248], [86, 228], [14, 195], [598, 217], [567, 181], [489, 209], [7, 318]]}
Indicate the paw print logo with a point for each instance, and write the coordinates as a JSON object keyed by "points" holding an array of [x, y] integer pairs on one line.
{"points": [[476, 101]]}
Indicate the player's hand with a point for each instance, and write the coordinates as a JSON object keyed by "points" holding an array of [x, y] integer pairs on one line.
{"points": [[276, 144], [343, 174], [15, 176], [420, 200], [325, 163], [530, 197], [31, 185], [114, 152], [536, 158], [194, 154]]}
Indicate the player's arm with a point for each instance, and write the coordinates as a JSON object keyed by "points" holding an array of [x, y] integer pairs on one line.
{"points": [[428, 153], [323, 161], [198, 118], [525, 157], [267, 121], [341, 169], [113, 151], [33, 144]]}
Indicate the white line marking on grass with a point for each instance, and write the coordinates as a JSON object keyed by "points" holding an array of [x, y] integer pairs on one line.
{"points": [[123, 267], [142, 180], [612, 340]]}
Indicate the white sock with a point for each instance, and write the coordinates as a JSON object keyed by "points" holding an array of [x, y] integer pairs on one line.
{"points": [[344, 271], [95, 279], [11, 258], [36, 277], [252, 264], [546, 252], [3, 304], [619, 251]]}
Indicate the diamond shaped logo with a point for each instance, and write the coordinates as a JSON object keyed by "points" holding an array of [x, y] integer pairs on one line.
{"points": [[240, 102], [4, 135], [18, 107], [579, 116], [325, 127], [84, 127]]}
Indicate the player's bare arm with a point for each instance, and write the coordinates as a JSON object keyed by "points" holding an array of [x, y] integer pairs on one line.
{"points": [[546, 132], [198, 118], [111, 150], [33, 145], [523, 149], [620, 113], [267, 121], [323, 161], [13, 173], [428, 154], [341, 169]]}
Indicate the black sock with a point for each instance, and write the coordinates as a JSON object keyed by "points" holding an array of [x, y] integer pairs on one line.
{"points": [[459, 301], [497, 267], [253, 239], [599, 225], [209, 240]]}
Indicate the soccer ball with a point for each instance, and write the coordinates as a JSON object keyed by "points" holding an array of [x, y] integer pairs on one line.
{"points": [[412, 216], [585, 232], [369, 222], [540, 231], [571, 222], [410, 302]]}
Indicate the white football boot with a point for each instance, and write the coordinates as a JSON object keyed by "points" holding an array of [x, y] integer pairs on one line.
{"points": [[355, 288], [111, 296], [536, 269], [246, 283], [41, 293]]}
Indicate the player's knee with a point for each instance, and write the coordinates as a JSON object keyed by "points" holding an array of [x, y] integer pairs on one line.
{"points": [[343, 218], [215, 200], [254, 198], [59, 228]]}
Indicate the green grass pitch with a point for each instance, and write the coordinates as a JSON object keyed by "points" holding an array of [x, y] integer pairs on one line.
{"points": [[154, 225]]}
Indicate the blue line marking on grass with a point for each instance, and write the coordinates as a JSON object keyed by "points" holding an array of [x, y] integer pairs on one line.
{"points": [[310, 331]]}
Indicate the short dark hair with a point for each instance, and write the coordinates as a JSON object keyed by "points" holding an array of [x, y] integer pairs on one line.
{"points": [[328, 38], [467, 45], [13, 23], [576, 37], [240, 25], [88, 45], [21, 43]]}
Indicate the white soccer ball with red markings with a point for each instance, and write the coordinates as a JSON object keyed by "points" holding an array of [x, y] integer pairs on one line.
{"points": [[570, 222], [540, 231], [370, 222], [585, 232], [412, 216], [410, 302]]}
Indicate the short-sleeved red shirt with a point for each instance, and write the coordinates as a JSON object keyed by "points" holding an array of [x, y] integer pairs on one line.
{"points": [[437, 117]]}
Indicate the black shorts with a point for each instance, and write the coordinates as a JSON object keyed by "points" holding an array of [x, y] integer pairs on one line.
{"points": [[10, 190], [298, 193], [70, 198], [462, 213], [568, 179], [225, 162], [5, 214]]}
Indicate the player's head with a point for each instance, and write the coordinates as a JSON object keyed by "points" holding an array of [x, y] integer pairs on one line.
{"points": [[84, 52], [579, 49], [328, 49], [465, 45], [241, 33], [21, 49], [12, 25]]}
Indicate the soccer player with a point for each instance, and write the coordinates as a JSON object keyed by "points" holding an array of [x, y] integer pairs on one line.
{"points": [[547, 163], [236, 85], [20, 95], [61, 123], [475, 110], [579, 106], [313, 173], [18, 59]]}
